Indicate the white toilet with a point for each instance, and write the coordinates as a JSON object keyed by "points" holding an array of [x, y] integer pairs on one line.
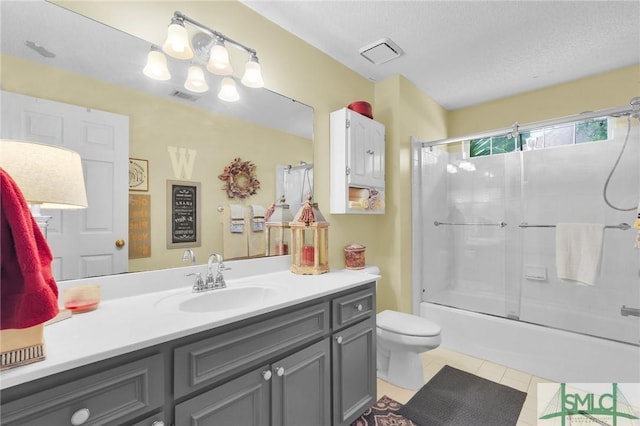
{"points": [[401, 339]]}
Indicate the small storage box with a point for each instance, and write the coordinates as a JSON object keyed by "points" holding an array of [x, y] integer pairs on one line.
{"points": [[20, 346]]}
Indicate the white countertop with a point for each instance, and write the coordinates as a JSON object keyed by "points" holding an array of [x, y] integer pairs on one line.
{"points": [[132, 317]]}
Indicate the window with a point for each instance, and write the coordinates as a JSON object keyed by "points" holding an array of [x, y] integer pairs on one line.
{"points": [[594, 130]]}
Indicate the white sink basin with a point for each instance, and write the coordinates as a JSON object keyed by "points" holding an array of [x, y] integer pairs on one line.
{"points": [[218, 300]]}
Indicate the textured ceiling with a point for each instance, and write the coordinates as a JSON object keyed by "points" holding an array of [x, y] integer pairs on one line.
{"points": [[463, 53]]}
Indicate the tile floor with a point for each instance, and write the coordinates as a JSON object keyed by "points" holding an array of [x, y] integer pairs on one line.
{"points": [[434, 360]]}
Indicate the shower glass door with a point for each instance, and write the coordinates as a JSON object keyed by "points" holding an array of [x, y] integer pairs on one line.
{"points": [[566, 184], [464, 222], [488, 222]]}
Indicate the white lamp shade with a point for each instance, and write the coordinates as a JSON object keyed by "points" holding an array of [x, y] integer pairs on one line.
{"points": [[48, 175], [228, 91], [195, 80], [219, 60], [177, 43], [156, 67], [252, 75]]}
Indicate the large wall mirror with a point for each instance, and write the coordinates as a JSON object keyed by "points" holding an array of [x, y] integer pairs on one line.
{"points": [[55, 58]]}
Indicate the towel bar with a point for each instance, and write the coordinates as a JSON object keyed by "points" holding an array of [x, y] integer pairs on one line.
{"points": [[623, 226], [500, 224]]}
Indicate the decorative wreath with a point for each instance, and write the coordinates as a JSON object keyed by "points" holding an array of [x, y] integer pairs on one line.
{"points": [[240, 179]]}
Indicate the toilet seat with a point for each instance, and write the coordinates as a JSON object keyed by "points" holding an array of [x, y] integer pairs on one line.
{"points": [[404, 324]]}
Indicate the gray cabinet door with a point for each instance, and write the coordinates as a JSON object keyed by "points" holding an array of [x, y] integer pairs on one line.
{"points": [[242, 401], [354, 371], [301, 387]]}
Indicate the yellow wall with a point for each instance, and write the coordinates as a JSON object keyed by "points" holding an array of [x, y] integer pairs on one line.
{"points": [[602, 91], [407, 112], [154, 125]]}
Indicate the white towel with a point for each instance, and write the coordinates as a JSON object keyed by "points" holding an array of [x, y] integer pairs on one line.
{"points": [[234, 239], [256, 238], [236, 222], [578, 250], [257, 219]]}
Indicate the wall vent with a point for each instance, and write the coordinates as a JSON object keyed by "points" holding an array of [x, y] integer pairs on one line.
{"points": [[184, 95], [381, 51]]}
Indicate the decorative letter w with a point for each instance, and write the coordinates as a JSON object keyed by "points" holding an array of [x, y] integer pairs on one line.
{"points": [[182, 164]]}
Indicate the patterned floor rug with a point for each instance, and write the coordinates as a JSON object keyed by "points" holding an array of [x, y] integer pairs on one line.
{"points": [[383, 413]]}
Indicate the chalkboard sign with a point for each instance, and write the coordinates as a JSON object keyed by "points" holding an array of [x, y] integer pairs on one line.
{"points": [[183, 211]]}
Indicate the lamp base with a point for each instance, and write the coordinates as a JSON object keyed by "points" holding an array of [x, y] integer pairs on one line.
{"points": [[41, 220]]}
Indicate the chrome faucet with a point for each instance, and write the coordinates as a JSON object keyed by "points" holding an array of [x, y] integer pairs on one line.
{"points": [[217, 281], [189, 255]]}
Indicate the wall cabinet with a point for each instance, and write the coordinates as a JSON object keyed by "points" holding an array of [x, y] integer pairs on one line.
{"points": [[312, 364], [357, 163]]}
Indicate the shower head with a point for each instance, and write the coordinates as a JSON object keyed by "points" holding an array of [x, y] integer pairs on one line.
{"points": [[633, 112], [635, 107]]}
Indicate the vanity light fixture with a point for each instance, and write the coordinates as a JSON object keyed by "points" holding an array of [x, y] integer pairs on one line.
{"points": [[228, 91], [219, 59], [210, 48], [177, 43], [195, 80], [156, 67], [252, 75]]}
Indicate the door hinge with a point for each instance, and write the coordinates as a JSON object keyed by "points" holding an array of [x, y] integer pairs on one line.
{"points": [[348, 170], [348, 123]]}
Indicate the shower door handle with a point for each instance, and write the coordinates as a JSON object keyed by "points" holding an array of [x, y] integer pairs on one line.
{"points": [[625, 311]]}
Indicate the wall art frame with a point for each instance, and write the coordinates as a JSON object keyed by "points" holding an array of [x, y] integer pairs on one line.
{"points": [[183, 214], [138, 174]]}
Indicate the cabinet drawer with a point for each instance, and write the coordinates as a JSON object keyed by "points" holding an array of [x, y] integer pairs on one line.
{"points": [[108, 397], [210, 360], [353, 307]]}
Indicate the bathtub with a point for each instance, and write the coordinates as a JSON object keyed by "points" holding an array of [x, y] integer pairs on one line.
{"points": [[549, 353]]}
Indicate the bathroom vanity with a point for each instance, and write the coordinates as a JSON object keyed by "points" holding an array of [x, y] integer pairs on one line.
{"points": [[301, 353]]}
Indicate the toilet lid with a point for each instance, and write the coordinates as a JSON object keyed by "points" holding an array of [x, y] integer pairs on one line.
{"points": [[407, 324]]}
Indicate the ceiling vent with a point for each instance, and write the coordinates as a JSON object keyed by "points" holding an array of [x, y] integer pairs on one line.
{"points": [[381, 51], [184, 95]]}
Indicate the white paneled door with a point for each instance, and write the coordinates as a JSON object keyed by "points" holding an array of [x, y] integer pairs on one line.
{"points": [[83, 242]]}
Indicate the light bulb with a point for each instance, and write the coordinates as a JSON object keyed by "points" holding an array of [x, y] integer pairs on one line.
{"points": [[156, 67], [228, 91], [252, 76], [219, 60], [195, 80], [177, 43]]}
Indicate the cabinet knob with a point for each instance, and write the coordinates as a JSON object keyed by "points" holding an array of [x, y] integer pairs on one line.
{"points": [[358, 307], [279, 371], [266, 374], [339, 339], [157, 423], [80, 417]]}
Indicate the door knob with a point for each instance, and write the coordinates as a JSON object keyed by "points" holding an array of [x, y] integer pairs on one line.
{"points": [[119, 243]]}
